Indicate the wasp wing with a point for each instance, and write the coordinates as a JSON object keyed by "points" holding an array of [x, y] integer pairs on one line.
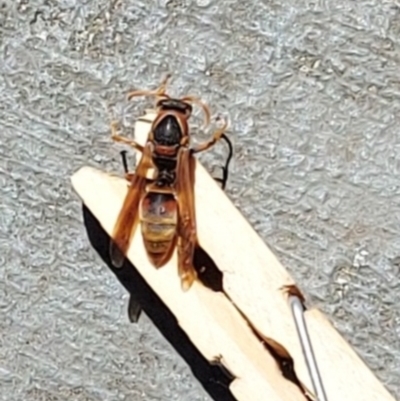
{"points": [[129, 215], [187, 235]]}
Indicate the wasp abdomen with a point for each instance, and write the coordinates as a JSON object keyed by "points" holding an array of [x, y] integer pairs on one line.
{"points": [[159, 219]]}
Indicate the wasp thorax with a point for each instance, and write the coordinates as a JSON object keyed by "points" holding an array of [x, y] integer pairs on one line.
{"points": [[168, 131]]}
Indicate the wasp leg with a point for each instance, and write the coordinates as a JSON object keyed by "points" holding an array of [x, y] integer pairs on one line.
{"points": [[222, 181], [118, 138], [225, 169], [202, 105], [128, 175], [124, 161], [131, 142], [160, 91], [218, 134]]}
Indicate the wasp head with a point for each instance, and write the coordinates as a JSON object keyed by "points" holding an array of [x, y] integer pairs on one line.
{"points": [[175, 105]]}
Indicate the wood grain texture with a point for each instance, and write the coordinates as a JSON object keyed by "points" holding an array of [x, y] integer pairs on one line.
{"points": [[253, 279]]}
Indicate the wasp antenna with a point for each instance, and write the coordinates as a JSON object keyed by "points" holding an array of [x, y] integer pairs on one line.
{"points": [[158, 93], [138, 93], [202, 105], [207, 114], [162, 97], [163, 86], [154, 93]]}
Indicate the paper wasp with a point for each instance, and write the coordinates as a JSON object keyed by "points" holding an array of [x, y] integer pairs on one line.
{"points": [[164, 205]]}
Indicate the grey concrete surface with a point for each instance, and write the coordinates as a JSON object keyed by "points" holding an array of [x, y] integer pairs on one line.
{"points": [[312, 90]]}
